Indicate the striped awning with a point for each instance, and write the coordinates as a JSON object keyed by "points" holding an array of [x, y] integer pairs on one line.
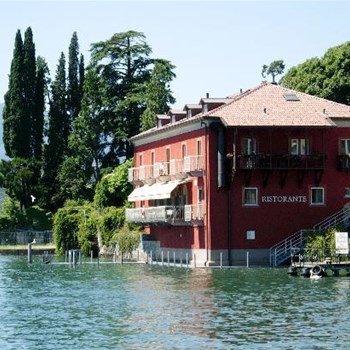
{"points": [[155, 191]]}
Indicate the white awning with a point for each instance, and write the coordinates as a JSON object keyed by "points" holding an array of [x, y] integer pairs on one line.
{"points": [[155, 191]]}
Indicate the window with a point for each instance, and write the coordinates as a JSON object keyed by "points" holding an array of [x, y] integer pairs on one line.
{"points": [[248, 146], [344, 146], [200, 203], [140, 160], [291, 97], [346, 192], [250, 196], [317, 196], [168, 161], [299, 146], [199, 147], [205, 108], [183, 151], [189, 113], [199, 161], [250, 234], [152, 163]]}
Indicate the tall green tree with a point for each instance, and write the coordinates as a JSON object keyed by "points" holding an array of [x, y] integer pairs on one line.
{"points": [[307, 77], [88, 143], [81, 76], [24, 119], [113, 101], [14, 114], [40, 92], [327, 77], [274, 68], [158, 95], [29, 85], [57, 137], [75, 73], [124, 63]]}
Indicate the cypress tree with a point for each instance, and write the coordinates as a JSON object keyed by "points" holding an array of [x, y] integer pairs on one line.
{"points": [[29, 85], [39, 109], [73, 84], [14, 111], [81, 77], [23, 119], [57, 136]]}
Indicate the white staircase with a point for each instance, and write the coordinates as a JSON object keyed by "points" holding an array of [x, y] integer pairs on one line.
{"points": [[281, 251]]}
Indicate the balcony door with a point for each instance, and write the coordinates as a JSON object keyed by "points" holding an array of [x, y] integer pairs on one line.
{"points": [[248, 146], [168, 160], [299, 147]]}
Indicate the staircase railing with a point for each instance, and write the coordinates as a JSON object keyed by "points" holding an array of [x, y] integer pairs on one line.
{"points": [[282, 250]]}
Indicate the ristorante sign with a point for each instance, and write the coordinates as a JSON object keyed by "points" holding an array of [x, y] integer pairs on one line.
{"points": [[284, 199]]}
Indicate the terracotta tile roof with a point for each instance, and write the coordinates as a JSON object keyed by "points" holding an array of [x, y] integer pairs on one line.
{"points": [[248, 110], [266, 105]]}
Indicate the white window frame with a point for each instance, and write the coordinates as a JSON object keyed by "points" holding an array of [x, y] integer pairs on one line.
{"points": [[344, 146], [251, 234], [346, 192], [299, 146], [199, 147], [312, 202], [183, 150], [248, 145], [245, 203]]}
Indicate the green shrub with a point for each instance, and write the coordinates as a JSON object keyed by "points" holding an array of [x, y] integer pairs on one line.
{"points": [[126, 240], [111, 221], [65, 230], [113, 189], [321, 244], [87, 234], [9, 214]]}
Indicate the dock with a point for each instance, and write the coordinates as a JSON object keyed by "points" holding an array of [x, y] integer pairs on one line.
{"points": [[319, 268]]}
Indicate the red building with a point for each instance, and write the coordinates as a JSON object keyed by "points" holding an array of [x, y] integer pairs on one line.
{"points": [[231, 176]]}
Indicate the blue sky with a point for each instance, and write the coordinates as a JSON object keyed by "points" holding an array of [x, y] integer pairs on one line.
{"points": [[217, 47]]}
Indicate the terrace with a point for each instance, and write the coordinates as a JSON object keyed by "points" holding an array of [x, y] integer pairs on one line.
{"points": [[173, 215]]}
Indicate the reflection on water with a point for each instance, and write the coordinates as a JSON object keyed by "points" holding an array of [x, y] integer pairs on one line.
{"points": [[153, 307]]}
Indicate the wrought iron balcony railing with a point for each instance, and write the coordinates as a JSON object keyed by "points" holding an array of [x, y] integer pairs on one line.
{"points": [[280, 161], [175, 215]]}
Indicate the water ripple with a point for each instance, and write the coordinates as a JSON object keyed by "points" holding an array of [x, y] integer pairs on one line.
{"points": [[152, 307]]}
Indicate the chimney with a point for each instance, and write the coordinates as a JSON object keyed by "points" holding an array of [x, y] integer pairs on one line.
{"points": [[207, 94]]}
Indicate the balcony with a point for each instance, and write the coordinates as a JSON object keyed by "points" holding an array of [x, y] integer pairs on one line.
{"points": [[280, 162], [142, 174], [193, 165], [165, 171], [173, 215]]}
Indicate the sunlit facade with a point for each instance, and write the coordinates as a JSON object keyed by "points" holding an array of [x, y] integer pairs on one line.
{"points": [[224, 180]]}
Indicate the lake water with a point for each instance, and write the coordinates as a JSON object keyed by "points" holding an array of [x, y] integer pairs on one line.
{"points": [[113, 306]]}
